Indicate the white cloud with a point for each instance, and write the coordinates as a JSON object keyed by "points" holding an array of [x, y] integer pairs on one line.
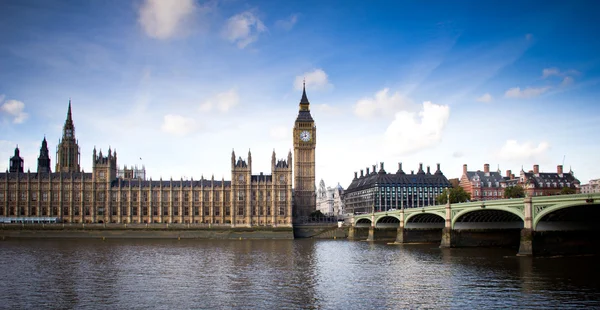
{"points": [[243, 29], [567, 81], [550, 72], [485, 98], [410, 132], [528, 92], [162, 19], [223, 102], [14, 108], [325, 109], [287, 23], [526, 150], [381, 105], [316, 79], [178, 125]]}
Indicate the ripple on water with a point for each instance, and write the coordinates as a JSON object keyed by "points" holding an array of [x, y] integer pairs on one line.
{"points": [[284, 274]]}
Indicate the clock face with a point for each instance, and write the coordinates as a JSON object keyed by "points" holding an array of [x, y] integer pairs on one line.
{"points": [[305, 136], [69, 133]]}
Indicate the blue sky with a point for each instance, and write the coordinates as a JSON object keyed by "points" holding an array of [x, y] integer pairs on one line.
{"points": [[180, 84]]}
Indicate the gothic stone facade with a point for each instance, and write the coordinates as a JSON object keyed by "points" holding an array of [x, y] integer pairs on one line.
{"points": [[73, 196]]}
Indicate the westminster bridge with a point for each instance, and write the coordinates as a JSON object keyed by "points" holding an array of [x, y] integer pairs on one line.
{"points": [[537, 225]]}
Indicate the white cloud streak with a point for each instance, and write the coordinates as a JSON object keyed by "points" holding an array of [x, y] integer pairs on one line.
{"points": [[528, 92], [178, 125], [410, 132], [512, 150], [15, 109], [288, 23], [315, 80], [223, 102], [243, 29], [163, 19], [382, 105], [485, 98]]}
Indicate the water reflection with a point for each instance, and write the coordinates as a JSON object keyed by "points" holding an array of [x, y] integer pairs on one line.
{"points": [[276, 274]]}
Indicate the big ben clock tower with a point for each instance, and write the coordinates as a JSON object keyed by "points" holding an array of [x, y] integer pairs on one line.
{"points": [[305, 141]]}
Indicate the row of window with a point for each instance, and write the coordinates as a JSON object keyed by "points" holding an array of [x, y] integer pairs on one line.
{"points": [[143, 196], [53, 211]]}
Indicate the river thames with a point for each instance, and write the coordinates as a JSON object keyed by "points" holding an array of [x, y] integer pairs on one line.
{"points": [[285, 274]]}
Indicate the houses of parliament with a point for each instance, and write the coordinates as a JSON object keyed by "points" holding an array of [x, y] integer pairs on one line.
{"points": [[108, 195]]}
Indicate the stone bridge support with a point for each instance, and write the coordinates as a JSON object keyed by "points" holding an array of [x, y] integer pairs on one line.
{"points": [[400, 234], [526, 243], [447, 231]]}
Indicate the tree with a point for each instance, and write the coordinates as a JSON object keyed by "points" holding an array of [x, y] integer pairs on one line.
{"points": [[567, 191], [457, 195], [516, 191], [317, 214]]}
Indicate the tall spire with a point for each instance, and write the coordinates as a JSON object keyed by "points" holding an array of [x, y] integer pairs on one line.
{"points": [[69, 116], [304, 99]]}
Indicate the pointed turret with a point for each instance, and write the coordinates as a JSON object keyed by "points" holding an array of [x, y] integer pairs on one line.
{"points": [[16, 162], [304, 113], [304, 99], [44, 158]]}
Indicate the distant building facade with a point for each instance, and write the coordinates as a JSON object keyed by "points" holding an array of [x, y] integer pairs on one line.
{"points": [[490, 185], [482, 185], [109, 195], [538, 183], [592, 187], [329, 199], [381, 191]]}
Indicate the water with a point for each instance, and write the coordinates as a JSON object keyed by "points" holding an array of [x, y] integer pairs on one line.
{"points": [[285, 274]]}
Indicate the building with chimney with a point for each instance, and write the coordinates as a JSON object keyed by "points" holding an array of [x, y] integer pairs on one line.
{"points": [[482, 185], [490, 185], [538, 183], [377, 190]]}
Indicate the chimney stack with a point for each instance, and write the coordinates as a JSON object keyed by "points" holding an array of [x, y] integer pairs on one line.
{"points": [[486, 168], [559, 169], [355, 175], [465, 169], [381, 164], [438, 167], [508, 173], [361, 173], [374, 168], [367, 170], [428, 171], [536, 169]]}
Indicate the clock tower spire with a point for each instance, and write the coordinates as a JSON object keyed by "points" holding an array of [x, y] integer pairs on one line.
{"points": [[67, 153], [305, 141]]}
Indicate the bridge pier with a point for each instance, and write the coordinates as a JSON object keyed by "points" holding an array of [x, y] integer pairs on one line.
{"points": [[447, 231], [371, 236], [526, 243], [446, 238], [400, 235], [351, 233]]}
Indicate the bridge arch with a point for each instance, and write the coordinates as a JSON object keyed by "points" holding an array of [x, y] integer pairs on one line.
{"points": [[363, 222], [424, 220], [501, 217], [387, 221], [581, 216]]}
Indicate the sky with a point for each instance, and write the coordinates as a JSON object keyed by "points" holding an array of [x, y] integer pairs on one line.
{"points": [[175, 86]]}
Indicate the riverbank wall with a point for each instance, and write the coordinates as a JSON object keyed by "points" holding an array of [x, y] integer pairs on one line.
{"points": [[141, 231]]}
